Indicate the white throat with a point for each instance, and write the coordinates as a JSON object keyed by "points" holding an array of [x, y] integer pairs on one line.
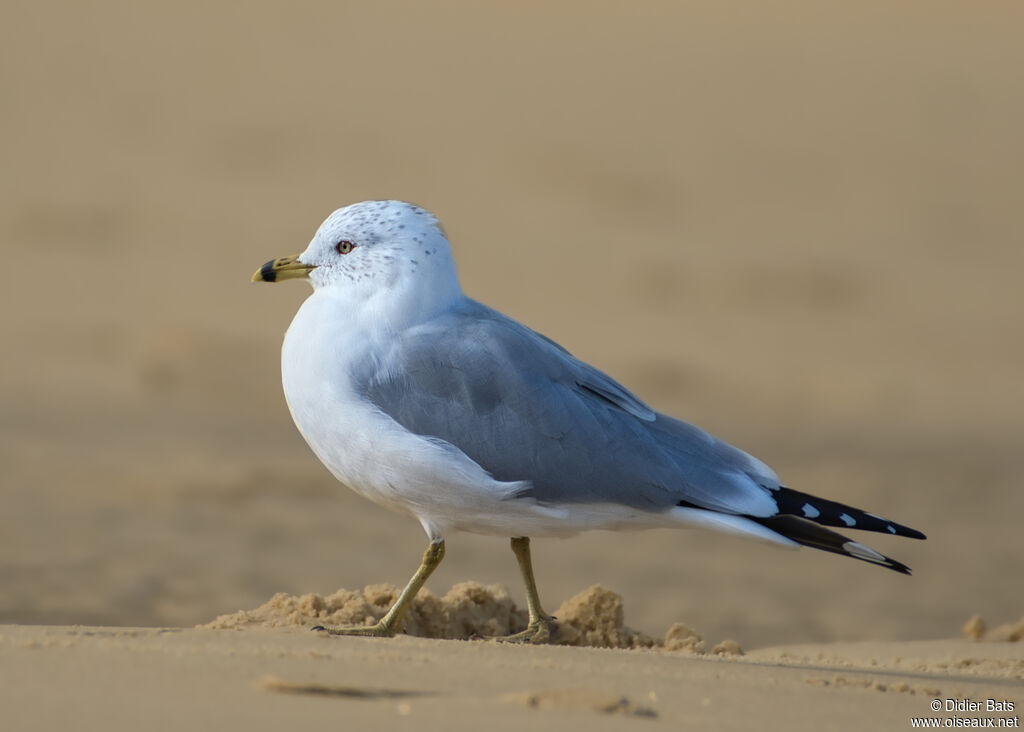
{"points": [[395, 300]]}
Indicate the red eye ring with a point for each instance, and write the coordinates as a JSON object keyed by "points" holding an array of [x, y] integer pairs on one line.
{"points": [[344, 246]]}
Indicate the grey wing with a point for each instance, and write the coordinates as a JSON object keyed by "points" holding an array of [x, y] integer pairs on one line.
{"points": [[524, 409]]}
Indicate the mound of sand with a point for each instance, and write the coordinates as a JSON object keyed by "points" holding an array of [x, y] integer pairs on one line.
{"points": [[469, 610], [977, 629]]}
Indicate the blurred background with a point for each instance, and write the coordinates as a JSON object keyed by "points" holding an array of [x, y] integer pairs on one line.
{"points": [[799, 225]]}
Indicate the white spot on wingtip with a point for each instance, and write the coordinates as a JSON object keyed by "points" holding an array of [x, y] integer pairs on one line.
{"points": [[810, 511], [891, 529], [863, 552], [847, 519]]}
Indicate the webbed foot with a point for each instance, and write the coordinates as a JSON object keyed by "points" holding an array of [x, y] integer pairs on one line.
{"points": [[378, 630], [539, 632]]}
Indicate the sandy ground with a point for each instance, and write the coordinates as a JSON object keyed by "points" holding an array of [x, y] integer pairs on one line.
{"points": [[127, 678], [794, 224]]}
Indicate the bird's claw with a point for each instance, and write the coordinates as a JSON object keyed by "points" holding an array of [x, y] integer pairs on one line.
{"points": [[539, 632], [378, 630]]}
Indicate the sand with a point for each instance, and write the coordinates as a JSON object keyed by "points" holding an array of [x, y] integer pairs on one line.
{"points": [[264, 669], [469, 610], [261, 678], [794, 224]]}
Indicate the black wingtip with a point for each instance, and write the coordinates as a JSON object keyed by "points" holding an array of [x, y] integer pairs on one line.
{"points": [[807, 533], [831, 513], [898, 567]]}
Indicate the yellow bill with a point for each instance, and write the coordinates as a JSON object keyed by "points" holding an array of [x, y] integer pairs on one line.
{"points": [[283, 268]]}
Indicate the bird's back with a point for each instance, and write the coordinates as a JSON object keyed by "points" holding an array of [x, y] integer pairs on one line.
{"points": [[524, 409]]}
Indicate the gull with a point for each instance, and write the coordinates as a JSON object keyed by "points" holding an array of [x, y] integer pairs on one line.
{"points": [[437, 406]]}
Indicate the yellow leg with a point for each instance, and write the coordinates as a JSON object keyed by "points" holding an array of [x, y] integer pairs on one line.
{"points": [[392, 622], [541, 627]]}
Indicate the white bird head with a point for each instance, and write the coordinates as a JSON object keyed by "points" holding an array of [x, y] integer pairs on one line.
{"points": [[374, 247]]}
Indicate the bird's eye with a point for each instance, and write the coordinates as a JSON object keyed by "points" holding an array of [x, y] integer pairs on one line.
{"points": [[344, 246]]}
